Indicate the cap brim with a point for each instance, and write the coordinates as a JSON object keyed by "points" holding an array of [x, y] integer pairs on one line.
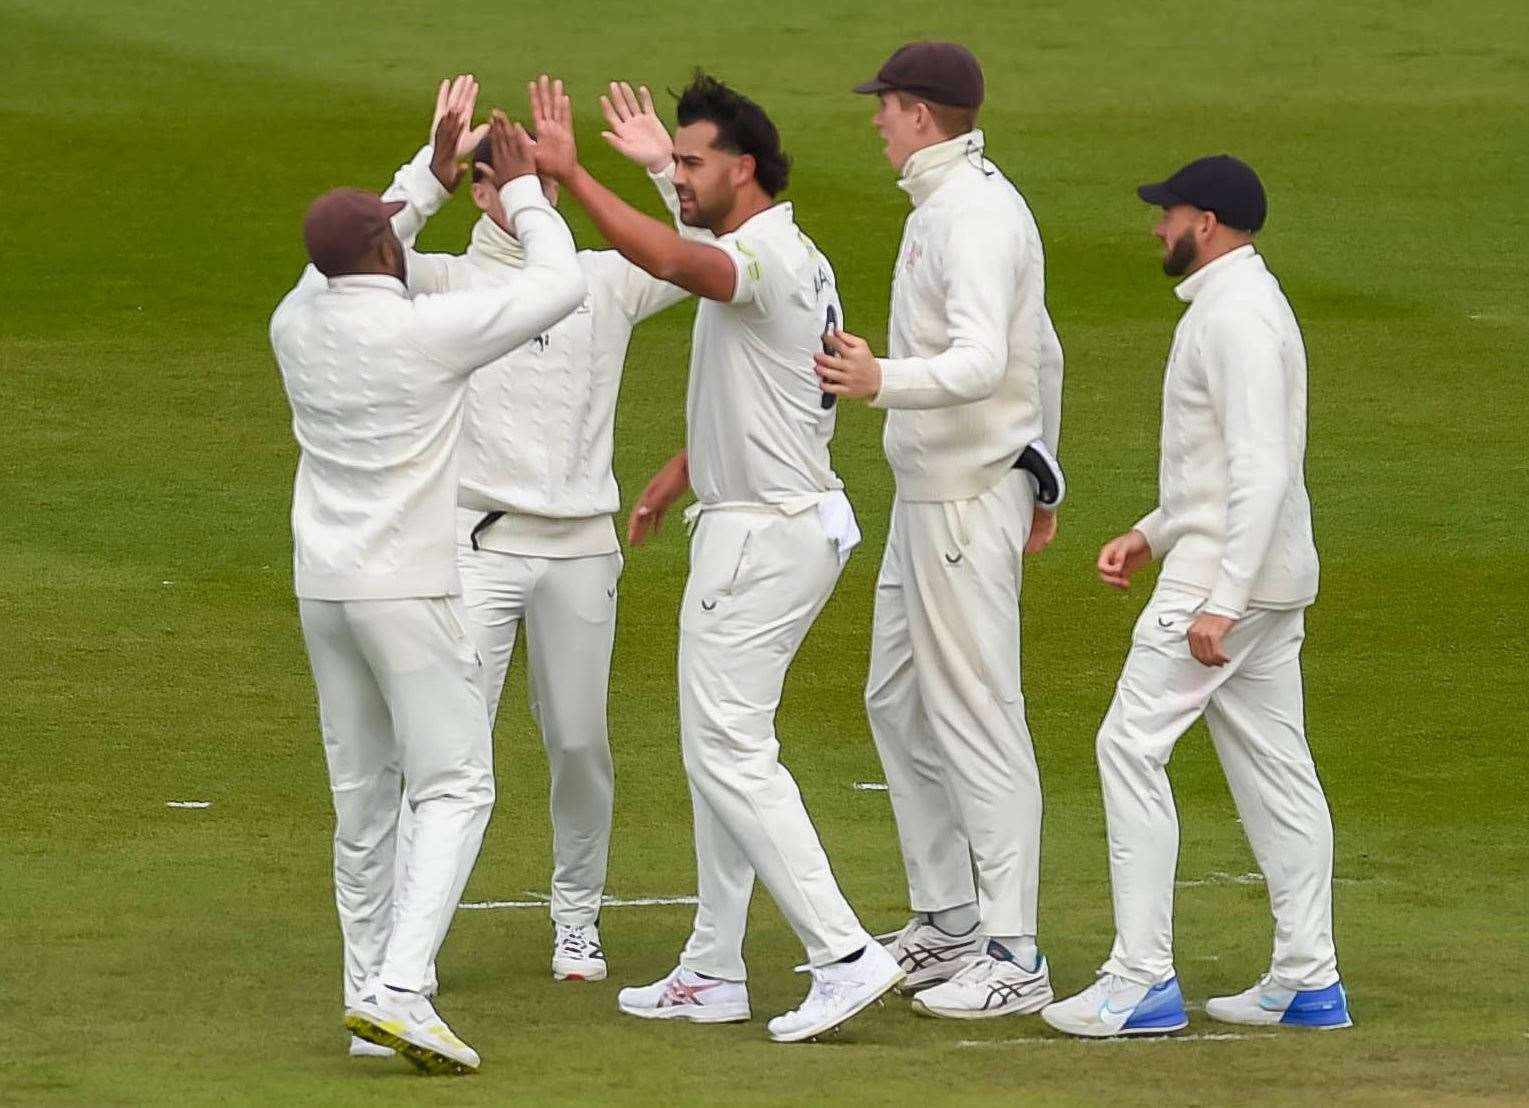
{"points": [[1159, 194], [392, 207], [874, 85]]}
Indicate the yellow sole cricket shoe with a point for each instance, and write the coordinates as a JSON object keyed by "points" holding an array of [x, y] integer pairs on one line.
{"points": [[409, 1024]]}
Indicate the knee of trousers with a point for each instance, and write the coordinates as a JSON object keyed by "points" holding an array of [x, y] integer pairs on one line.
{"points": [[1121, 753], [467, 787]]}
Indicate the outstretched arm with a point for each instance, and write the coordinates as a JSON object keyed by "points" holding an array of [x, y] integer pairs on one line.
{"points": [[641, 239], [466, 330]]}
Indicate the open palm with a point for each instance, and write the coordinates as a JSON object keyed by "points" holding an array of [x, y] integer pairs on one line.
{"points": [[636, 132]]}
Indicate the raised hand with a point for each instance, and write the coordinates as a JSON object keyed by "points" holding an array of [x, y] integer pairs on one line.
{"points": [[451, 137], [512, 150], [636, 132], [557, 156]]}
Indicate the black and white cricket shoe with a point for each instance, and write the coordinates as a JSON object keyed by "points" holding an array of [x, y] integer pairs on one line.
{"points": [[928, 955], [993, 984], [577, 954]]}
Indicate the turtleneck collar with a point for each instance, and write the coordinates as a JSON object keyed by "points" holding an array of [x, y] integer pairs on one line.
{"points": [[1196, 283], [927, 169], [493, 244]]}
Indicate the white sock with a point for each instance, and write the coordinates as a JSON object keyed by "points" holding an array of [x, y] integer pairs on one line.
{"points": [[956, 921], [1021, 948]]}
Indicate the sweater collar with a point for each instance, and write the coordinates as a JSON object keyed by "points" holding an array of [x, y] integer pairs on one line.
{"points": [[1195, 284], [927, 169], [361, 282], [491, 243]]}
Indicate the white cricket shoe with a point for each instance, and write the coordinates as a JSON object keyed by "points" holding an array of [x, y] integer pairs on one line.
{"points": [[360, 1048], [1269, 1002], [408, 1023], [1114, 1006], [838, 992], [988, 986], [577, 954], [683, 995], [928, 955]]}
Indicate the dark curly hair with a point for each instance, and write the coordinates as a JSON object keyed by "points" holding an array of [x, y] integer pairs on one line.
{"points": [[742, 128]]}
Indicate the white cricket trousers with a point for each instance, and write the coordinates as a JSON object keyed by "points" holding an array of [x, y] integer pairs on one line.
{"points": [[1253, 709], [400, 700], [945, 707], [758, 579], [568, 606]]}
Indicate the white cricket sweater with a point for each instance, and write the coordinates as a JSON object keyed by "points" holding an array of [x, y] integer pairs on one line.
{"points": [[1233, 521], [538, 435], [376, 381], [974, 366]]}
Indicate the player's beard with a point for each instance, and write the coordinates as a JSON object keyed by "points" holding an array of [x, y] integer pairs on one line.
{"points": [[1182, 254], [707, 211]]}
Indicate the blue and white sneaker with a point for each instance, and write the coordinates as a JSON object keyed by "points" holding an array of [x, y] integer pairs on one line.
{"points": [[1114, 1006], [1268, 1003]]}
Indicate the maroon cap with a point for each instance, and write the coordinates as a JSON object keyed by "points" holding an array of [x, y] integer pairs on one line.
{"points": [[940, 72], [342, 225]]}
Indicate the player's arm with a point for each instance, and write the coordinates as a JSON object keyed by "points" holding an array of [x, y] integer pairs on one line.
{"points": [[427, 181], [1049, 374], [466, 330], [644, 241], [655, 248], [634, 131], [1246, 382], [669, 484], [981, 286]]}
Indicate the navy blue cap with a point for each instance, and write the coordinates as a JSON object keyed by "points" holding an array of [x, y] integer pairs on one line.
{"points": [[1219, 184]]}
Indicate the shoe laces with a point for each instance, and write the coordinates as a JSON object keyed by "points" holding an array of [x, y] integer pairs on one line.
{"points": [[576, 942], [1106, 983], [978, 968]]}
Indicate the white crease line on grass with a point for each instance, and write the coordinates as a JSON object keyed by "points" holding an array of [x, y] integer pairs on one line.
{"points": [[188, 804], [870, 786], [1216, 877], [1219, 1037], [605, 902]]}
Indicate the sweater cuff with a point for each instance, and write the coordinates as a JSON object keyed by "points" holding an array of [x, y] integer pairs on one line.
{"points": [[521, 194], [1227, 599], [425, 190], [1154, 525], [897, 382]]}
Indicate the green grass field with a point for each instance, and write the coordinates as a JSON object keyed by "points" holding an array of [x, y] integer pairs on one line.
{"points": [[158, 159]]}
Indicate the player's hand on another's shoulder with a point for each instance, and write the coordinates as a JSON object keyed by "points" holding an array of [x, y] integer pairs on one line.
{"points": [[1043, 528], [451, 133], [513, 151], [557, 155], [636, 132], [1122, 556]]}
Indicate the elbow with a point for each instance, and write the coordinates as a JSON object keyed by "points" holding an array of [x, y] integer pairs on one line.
{"points": [[668, 268], [569, 288], [987, 374]]}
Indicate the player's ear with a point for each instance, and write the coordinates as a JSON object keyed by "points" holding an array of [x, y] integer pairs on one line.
{"points": [[744, 169]]}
